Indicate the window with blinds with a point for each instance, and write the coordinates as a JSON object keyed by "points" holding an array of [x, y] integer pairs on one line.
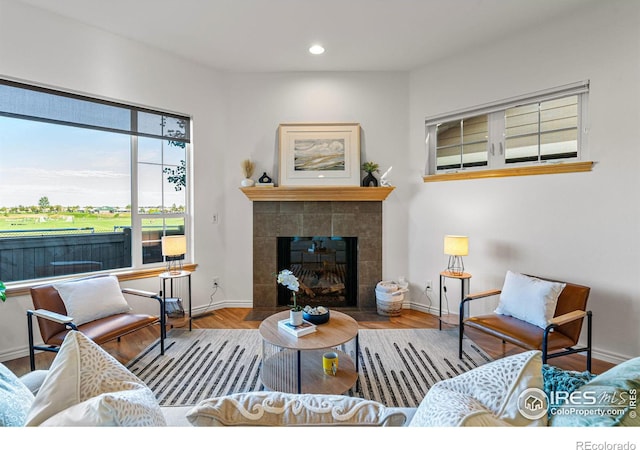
{"points": [[543, 127], [542, 131], [462, 143]]}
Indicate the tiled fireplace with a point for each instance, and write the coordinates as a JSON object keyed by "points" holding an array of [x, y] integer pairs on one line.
{"points": [[305, 220]]}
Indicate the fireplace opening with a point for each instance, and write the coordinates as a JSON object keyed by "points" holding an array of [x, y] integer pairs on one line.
{"points": [[326, 268]]}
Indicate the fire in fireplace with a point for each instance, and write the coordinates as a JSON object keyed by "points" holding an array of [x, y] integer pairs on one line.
{"points": [[326, 267]]}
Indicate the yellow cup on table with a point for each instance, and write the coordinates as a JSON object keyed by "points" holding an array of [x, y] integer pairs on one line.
{"points": [[330, 363]]}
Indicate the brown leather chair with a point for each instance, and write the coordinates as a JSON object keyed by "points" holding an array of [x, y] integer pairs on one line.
{"points": [[557, 339], [54, 323]]}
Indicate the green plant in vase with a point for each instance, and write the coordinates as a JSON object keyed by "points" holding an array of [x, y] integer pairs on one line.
{"points": [[3, 291], [370, 180]]}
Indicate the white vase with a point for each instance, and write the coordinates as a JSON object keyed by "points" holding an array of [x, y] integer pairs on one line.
{"points": [[295, 317], [247, 182]]}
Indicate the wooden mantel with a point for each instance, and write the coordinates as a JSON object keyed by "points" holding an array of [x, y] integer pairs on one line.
{"points": [[317, 193]]}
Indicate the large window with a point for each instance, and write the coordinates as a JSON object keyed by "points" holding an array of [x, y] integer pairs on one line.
{"points": [[528, 130], [87, 184]]}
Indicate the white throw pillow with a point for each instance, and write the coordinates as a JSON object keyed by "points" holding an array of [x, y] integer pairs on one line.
{"points": [[93, 298], [488, 395], [528, 298], [282, 409], [87, 386]]}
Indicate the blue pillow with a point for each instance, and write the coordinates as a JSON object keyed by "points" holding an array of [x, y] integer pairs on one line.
{"points": [[559, 380], [15, 399], [610, 399]]}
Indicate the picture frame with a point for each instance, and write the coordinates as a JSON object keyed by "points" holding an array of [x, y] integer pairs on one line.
{"points": [[319, 154]]}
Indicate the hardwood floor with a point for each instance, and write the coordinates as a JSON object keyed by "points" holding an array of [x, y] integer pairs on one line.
{"points": [[132, 344]]}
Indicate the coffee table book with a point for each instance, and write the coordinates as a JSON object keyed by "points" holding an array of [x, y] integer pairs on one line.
{"points": [[298, 331]]}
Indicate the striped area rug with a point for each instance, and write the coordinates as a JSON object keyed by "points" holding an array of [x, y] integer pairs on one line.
{"points": [[397, 367]]}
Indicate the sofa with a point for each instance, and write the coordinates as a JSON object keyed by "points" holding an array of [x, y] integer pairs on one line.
{"points": [[85, 386]]}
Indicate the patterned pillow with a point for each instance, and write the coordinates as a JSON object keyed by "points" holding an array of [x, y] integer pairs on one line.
{"points": [[487, 395], [282, 409], [15, 399], [87, 386], [560, 380], [609, 399]]}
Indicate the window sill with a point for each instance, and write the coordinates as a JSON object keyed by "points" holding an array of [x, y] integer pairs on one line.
{"points": [[16, 289], [543, 169]]}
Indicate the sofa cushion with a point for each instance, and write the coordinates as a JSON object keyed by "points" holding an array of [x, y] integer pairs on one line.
{"points": [[33, 380], [528, 298], [610, 399], [87, 386], [93, 298], [282, 409], [487, 395], [15, 399]]}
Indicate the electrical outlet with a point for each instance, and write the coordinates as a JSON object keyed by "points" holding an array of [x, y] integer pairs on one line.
{"points": [[216, 282], [428, 286]]}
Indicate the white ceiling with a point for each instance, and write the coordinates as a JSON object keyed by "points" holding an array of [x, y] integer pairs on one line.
{"points": [[274, 35]]}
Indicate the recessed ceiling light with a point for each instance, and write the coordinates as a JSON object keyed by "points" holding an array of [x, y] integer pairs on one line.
{"points": [[316, 49]]}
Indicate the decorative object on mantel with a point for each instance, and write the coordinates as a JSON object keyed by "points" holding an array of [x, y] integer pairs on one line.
{"points": [[3, 291], [247, 170], [288, 279], [370, 180], [265, 181], [384, 181], [319, 154]]}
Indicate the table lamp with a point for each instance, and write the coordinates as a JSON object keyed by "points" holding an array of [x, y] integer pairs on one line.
{"points": [[173, 250], [456, 247]]}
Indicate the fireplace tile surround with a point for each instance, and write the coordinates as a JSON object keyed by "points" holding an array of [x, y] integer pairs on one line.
{"points": [[273, 219]]}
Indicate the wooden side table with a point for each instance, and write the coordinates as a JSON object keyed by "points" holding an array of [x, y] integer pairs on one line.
{"points": [[465, 281], [294, 365]]}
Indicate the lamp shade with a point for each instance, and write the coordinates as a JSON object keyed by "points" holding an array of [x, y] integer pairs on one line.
{"points": [[174, 245], [456, 245]]}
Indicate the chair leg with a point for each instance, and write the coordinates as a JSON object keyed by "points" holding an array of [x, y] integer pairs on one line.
{"points": [[461, 329], [32, 354], [163, 324], [460, 336], [589, 341]]}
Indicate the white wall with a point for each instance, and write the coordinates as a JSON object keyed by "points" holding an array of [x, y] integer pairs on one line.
{"points": [[235, 116], [43, 48], [579, 227], [258, 103]]}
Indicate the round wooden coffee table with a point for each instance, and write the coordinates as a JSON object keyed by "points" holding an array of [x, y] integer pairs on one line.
{"points": [[294, 364]]}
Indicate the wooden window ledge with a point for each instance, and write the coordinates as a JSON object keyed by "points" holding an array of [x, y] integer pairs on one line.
{"points": [[542, 169], [24, 288]]}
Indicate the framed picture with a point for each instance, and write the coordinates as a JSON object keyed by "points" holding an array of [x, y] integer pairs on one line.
{"points": [[319, 154]]}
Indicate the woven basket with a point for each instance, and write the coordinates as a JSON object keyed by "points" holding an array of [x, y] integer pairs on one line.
{"points": [[392, 307]]}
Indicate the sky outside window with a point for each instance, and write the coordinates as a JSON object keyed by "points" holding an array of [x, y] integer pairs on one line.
{"points": [[69, 165]]}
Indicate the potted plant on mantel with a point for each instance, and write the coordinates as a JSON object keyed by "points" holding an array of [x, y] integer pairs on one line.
{"points": [[370, 180], [247, 170], [288, 279]]}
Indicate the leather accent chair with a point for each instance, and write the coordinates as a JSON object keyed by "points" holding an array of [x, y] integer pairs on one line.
{"points": [[557, 339], [54, 323]]}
